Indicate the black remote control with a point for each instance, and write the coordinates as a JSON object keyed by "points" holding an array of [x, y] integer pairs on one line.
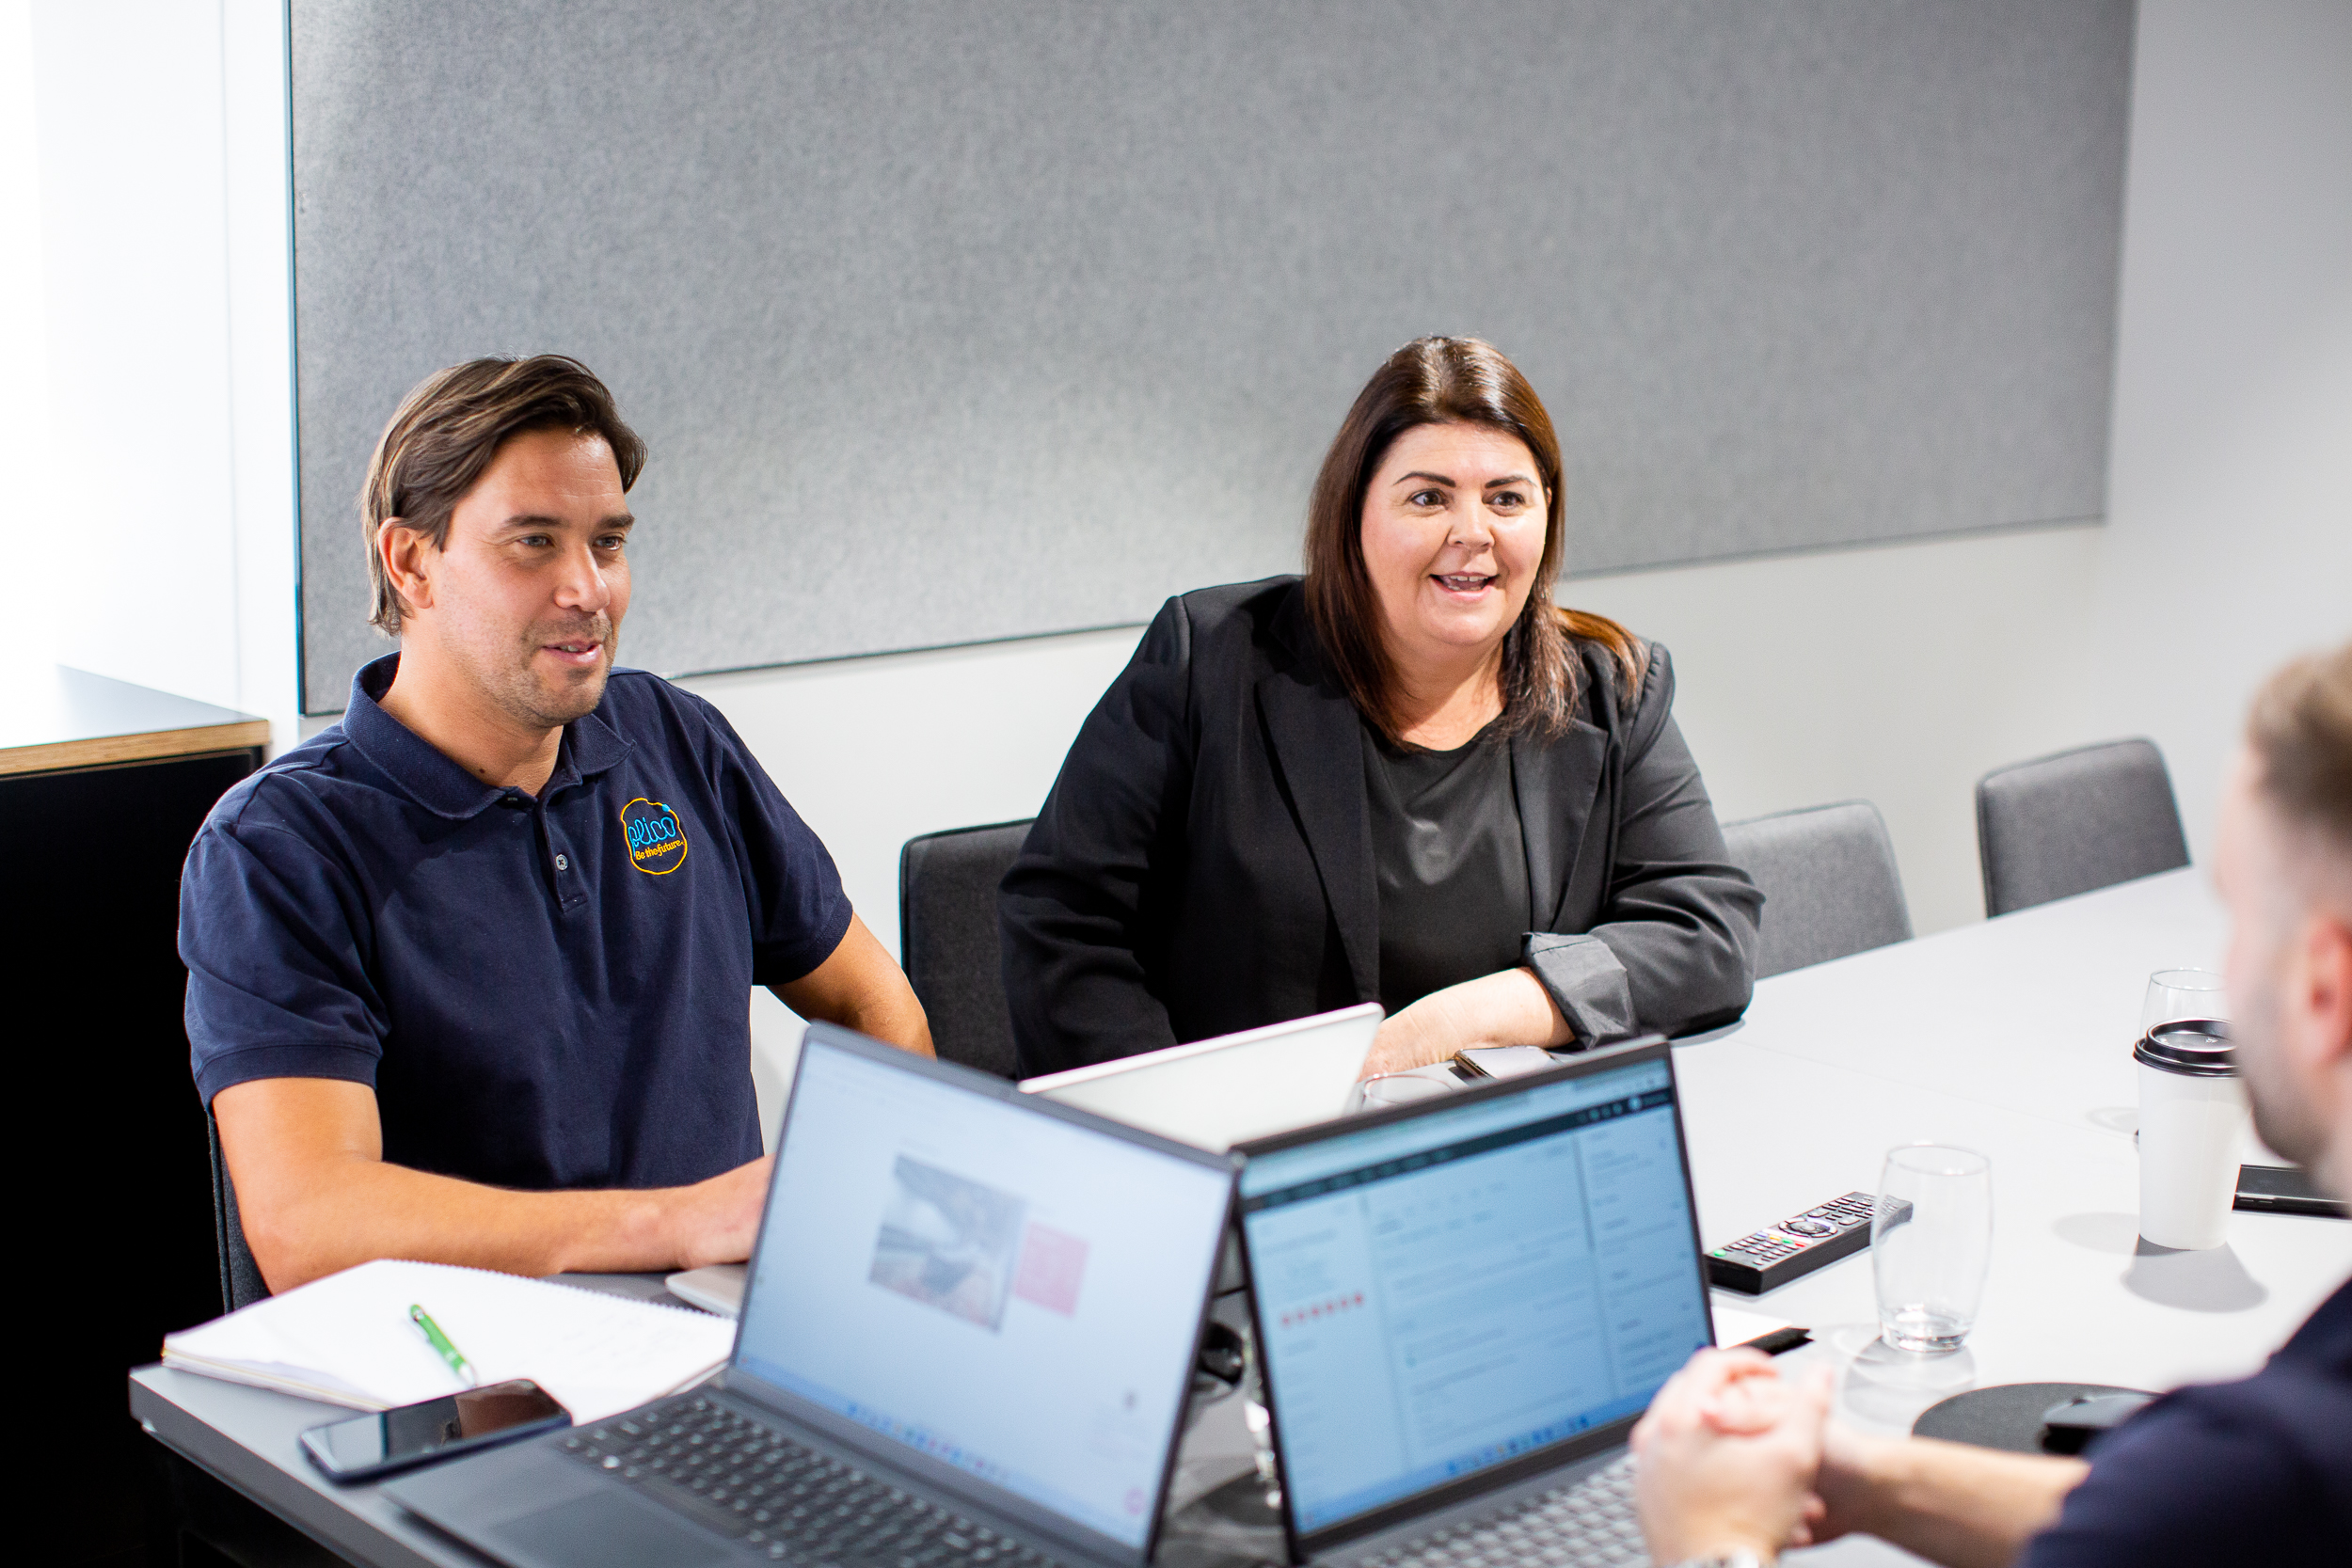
{"points": [[1795, 1246]]}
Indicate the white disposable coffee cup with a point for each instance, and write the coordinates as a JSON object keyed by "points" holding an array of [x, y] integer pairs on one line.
{"points": [[2192, 1113]]}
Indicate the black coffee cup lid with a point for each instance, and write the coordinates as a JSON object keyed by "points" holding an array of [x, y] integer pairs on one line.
{"points": [[2198, 1047]]}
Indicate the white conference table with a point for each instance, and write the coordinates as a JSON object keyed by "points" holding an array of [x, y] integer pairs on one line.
{"points": [[2011, 1037]]}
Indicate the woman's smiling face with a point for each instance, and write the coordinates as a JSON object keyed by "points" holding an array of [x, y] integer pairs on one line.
{"points": [[1453, 536]]}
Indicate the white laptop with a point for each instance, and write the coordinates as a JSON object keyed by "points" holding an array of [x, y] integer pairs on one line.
{"points": [[1216, 1093], [968, 1342], [1464, 1305]]}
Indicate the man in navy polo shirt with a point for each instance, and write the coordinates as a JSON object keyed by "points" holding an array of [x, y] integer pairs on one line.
{"points": [[470, 971]]}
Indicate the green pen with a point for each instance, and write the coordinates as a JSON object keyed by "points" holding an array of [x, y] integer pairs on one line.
{"points": [[441, 1346]]}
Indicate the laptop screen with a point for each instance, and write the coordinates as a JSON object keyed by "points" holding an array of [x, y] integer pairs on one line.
{"points": [[1445, 1293], [1011, 1293]]}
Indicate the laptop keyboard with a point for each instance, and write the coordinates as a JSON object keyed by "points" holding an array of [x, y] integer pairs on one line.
{"points": [[750, 1483], [1589, 1523]]}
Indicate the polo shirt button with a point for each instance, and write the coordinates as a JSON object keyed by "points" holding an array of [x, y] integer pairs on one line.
{"points": [[563, 864]]}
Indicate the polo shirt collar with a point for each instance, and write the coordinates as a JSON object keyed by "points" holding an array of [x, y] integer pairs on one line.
{"points": [[590, 747]]}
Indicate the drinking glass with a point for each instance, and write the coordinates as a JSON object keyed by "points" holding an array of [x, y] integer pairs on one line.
{"points": [[2178, 994], [1930, 1239]]}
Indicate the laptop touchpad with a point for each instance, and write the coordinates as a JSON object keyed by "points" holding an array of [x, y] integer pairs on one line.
{"points": [[604, 1528]]}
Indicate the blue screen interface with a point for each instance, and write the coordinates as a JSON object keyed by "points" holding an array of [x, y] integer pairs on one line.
{"points": [[1444, 1293]]}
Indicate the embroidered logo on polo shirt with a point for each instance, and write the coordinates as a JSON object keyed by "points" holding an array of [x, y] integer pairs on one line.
{"points": [[656, 840]]}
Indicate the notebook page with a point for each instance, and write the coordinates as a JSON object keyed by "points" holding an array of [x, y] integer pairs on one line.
{"points": [[347, 1339]]}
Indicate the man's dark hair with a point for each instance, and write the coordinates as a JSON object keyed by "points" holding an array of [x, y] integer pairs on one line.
{"points": [[448, 430]]}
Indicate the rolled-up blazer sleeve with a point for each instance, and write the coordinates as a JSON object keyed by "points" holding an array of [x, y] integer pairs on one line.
{"points": [[1072, 912], [1674, 945]]}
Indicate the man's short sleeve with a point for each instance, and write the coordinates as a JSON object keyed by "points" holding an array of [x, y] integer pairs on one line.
{"points": [[277, 988], [799, 911], [2202, 1478]]}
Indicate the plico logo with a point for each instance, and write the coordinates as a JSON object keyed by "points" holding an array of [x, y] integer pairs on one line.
{"points": [[656, 840]]}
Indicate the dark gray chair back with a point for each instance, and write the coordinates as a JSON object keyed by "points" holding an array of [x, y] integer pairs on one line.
{"points": [[1830, 883], [947, 939], [2074, 822], [240, 1276]]}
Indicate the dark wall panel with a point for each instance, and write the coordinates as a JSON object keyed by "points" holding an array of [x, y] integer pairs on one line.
{"points": [[950, 321]]}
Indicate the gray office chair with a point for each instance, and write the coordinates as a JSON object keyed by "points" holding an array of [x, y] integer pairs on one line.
{"points": [[240, 1277], [1830, 883], [2071, 823], [947, 939]]}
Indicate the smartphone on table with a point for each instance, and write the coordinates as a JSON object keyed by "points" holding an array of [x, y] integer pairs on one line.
{"points": [[364, 1446], [2283, 1190]]}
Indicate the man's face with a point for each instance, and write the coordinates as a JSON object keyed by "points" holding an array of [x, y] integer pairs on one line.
{"points": [[2267, 915], [527, 593]]}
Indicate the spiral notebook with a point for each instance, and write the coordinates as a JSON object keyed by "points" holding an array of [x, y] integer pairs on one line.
{"points": [[347, 1339]]}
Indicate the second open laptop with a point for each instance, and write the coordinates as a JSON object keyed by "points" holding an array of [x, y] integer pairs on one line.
{"points": [[969, 1339], [1463, 1305]]}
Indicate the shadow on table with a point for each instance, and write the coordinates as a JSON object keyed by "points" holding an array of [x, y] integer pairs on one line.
{"points": [[2103, 1231], [2211, 1279], [1889, 1388]]}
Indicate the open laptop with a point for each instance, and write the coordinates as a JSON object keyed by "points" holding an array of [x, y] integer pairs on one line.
{"points": [[969, 1339], [1463, 1305], [1219, 1092]]}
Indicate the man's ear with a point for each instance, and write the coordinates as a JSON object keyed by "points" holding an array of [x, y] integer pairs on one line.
{"points": [[2327, 987], [404, 552]]}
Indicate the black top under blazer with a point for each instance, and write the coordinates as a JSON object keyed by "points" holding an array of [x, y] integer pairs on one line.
{"points": [[1204, 863]]}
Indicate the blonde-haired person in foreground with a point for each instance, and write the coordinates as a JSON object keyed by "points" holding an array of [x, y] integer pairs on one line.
{"points": [[1736, 1463]]}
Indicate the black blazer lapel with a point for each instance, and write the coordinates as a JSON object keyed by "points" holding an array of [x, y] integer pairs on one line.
{"points": [[1316, 741], [1555, 781]]}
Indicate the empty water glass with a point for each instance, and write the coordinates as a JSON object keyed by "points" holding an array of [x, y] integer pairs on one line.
{"points": [[2179, 995], [1930, 1240]]}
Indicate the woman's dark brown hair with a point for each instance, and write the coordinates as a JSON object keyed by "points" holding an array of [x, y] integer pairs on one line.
{"points": [[449, 428], [1448, 381]]}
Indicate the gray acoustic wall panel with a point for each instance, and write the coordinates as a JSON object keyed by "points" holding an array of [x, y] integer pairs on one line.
{"points": [[950, 321]]}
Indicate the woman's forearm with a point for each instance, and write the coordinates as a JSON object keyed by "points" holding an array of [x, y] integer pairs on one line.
{"points": [[1508, 1007]]}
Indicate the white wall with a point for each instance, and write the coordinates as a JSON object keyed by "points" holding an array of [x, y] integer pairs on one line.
{"points": [[25, 633], [2228, 544], [168, 530], [1899, 675]]}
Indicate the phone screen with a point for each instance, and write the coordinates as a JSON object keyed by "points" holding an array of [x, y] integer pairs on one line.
{"points": [[394, 1438]]}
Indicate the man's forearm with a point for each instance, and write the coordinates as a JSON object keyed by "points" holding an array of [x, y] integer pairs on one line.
{"points": [[1963, 1506], [367, 1209]]}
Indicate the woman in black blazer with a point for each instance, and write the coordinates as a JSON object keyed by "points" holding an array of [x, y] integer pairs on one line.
{"points": [[1406, 778]]}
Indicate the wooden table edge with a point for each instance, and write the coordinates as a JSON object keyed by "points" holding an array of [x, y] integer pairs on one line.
{"points": [[145, 746]]}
